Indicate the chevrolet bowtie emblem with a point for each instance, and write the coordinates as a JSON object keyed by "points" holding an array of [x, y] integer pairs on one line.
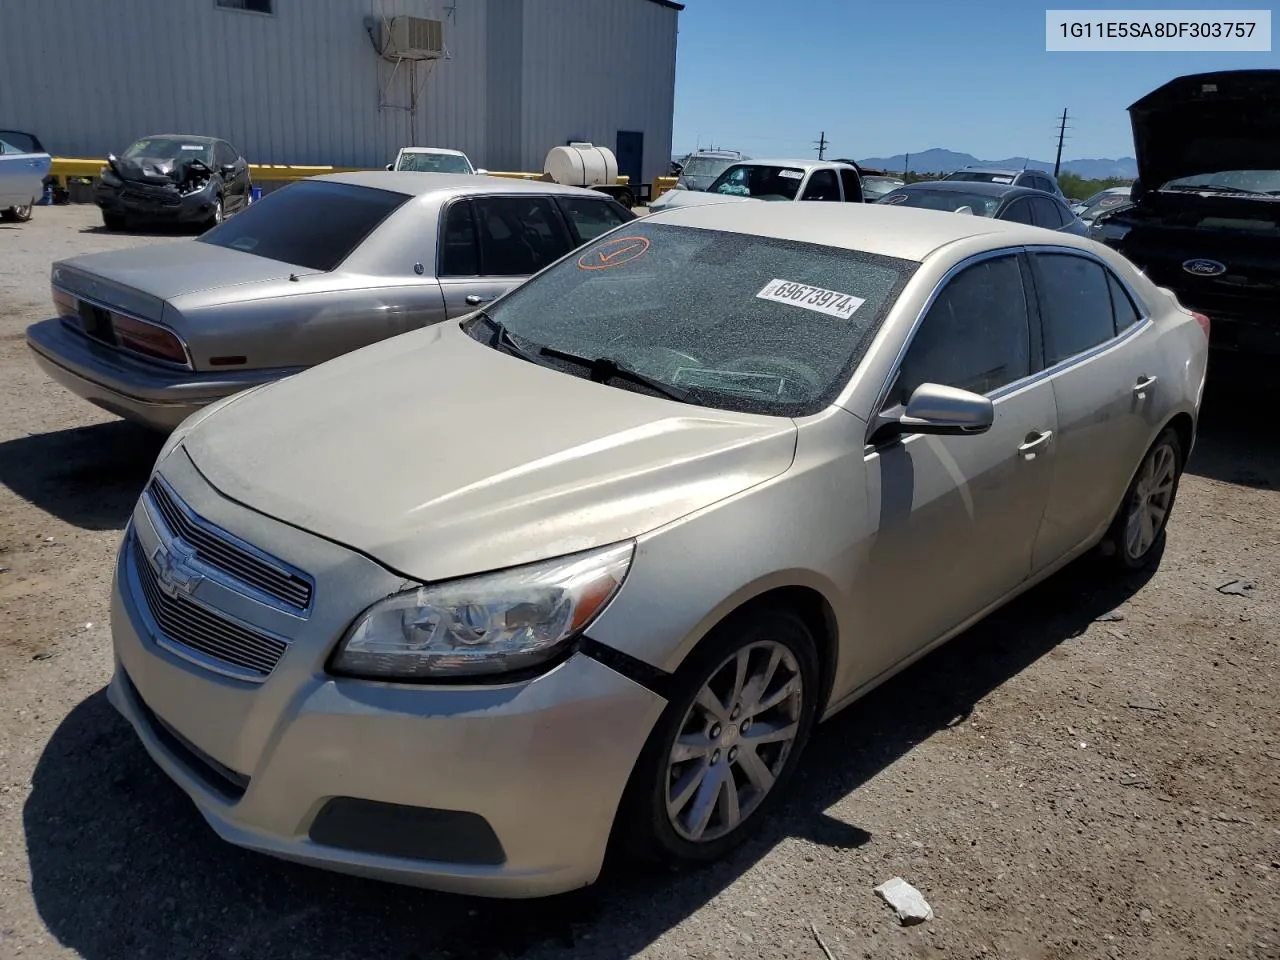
{"points": [[175, 572]]}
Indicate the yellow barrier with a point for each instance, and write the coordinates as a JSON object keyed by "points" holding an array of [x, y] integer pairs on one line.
{"points": [[64, 167], [661, 185]]}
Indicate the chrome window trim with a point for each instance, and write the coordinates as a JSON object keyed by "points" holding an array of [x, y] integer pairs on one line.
{"points": [[1143, 322], [233, 584], [135, 554], [189, 366]]}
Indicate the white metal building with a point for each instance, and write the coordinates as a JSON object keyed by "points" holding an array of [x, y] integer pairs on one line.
{"points": [[318, 81]]}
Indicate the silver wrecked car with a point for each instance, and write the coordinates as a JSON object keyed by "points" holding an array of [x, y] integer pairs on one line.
{"points": [[457, 608], [311, 271]]}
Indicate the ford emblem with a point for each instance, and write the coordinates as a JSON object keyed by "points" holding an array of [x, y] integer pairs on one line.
{"points": [[1204, 268]]}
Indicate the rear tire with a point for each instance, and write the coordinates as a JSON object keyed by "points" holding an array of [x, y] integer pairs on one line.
{"points": [[739, 713], [1138, 529], [22, 213]]}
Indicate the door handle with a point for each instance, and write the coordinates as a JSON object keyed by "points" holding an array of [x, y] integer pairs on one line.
{"points": [[1034, 443], [474, 299], [1143, 385]]}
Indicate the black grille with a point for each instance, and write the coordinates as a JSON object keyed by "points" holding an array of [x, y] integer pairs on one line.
{"points": [[187, 623], [231, 559], [152, 199]]}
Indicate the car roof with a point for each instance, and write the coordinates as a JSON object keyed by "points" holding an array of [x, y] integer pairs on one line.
{"points": [[974, 186], [907, 233], [792, 162], [719, 154], [1010, 171], [415, 183], [455, 153], [193, 137]]}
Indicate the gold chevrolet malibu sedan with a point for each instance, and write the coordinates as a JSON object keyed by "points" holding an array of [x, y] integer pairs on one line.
{"points": [[460, 608]]}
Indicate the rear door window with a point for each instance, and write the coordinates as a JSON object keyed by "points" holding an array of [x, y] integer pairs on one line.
{"points": [[852, 186], [590, 218], [459, 250], [309, 223], [519, 235], [1075, 304], [1126, 314]]}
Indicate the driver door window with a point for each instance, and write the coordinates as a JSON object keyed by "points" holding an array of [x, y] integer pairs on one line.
{"points": [[852, 186], [976, 335], [822, 185]]}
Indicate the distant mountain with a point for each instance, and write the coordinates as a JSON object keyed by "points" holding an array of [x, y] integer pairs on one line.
{"points": [[939, 160]]}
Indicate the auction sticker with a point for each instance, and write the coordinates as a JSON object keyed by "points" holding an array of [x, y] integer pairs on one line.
{"points": [[791, 174], [831, 302], [614, 253]]}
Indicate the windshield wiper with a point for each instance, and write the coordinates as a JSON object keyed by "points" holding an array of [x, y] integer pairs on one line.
{"points": [[604, 369], [502, 339]]}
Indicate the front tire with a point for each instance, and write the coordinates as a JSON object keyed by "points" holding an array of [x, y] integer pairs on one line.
{"points": [[739, 713], [216, 216], [114, 221], [1140, 524]]}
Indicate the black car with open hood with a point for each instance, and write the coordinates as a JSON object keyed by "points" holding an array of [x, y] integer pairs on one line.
{"points": [[1205, 221], [173, 177]]}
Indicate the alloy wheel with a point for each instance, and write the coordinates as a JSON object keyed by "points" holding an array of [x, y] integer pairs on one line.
{"points": [[1151, 500], [734, 741]]}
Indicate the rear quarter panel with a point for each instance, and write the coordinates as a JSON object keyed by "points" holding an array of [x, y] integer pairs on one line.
{"points": [[314, 319]]}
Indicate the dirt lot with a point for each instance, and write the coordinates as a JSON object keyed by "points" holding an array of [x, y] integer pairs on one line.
{"points": [[1058, 787]]}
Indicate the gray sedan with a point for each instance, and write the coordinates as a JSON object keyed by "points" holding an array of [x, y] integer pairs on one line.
{"points": [[312, 271]]}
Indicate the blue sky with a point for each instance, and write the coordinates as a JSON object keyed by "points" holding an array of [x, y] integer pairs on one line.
{"points": [[765, 77]]}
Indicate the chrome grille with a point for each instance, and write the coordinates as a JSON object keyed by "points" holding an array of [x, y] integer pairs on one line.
{"points": [[229, 558], [186, 623]]}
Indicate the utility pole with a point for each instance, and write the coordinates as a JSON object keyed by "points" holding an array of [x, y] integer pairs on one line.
{"points": [[1062, 134], [906, 164], [822, 145]]}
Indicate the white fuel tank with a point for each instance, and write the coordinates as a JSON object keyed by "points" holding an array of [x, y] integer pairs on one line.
{"points": [[581, 165]]}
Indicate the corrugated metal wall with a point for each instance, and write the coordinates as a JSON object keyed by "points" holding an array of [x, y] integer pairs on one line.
{"points": [[302, 85], [594, 67]]}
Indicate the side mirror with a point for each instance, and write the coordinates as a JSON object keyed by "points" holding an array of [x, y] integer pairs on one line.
{"points": [[228, 169], [482, 172], [940, 410], [391, 166]]}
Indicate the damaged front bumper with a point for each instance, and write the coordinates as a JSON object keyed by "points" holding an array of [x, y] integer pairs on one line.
{"points": [[143, 201]]}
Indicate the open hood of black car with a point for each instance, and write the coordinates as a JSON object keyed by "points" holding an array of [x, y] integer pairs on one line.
{"points": [[1207, 123]]}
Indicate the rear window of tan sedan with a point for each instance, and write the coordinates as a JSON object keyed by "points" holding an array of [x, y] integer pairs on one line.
{"points": [[310, 223], [738, 321]]}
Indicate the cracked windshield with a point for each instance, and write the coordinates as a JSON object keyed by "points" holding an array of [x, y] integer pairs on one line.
{"points": [[738, 321]]}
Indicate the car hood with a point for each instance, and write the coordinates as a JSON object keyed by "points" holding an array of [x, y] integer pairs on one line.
{"points": [[1207, 123], [441, 457], [163, 271], [694, 198]]}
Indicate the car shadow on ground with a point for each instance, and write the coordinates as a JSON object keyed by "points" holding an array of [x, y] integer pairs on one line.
{"points": [[122, 865], [147, 230], [89, 477], [1238, 441]]}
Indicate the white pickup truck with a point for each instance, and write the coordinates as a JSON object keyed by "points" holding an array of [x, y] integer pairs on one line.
{"points": [[785, 180]]}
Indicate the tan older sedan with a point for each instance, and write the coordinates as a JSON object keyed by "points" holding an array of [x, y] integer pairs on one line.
{"points": [[457, 608]]}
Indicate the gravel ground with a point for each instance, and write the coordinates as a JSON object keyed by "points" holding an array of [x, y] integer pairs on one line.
{"points": [[1057, 786]]}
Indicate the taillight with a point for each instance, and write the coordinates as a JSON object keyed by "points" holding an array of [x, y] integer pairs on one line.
{"points": [[65, 303], [1203, 321], [148, 339]]}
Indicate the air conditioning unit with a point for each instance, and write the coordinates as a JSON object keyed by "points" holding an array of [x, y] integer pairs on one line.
{"points": [[415, 38]]}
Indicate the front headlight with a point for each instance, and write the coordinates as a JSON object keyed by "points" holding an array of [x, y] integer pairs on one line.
{"points": [[1102, 229], [484, 625], [108, 176]]}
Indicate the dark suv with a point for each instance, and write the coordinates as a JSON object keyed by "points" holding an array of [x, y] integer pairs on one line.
{"points": [[1205, 216]]}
